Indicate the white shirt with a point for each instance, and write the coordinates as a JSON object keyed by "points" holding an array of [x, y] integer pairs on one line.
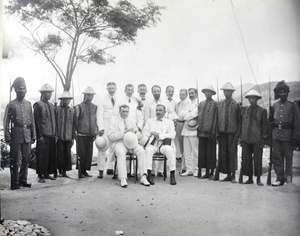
{"points": [[183, 108], [173, 103], [150, 109]]}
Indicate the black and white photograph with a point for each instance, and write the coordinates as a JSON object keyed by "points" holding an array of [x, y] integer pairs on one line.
{"points": [[150, 117]]}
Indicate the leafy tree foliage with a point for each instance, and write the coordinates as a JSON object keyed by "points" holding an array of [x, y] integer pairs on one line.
{"points": [[86, 28]]}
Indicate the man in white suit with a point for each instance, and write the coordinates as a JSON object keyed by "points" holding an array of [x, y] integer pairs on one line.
{"points": [[181, 111], [107, 110], [190, 139], [161, 128], [119, 127], [150, 112]]}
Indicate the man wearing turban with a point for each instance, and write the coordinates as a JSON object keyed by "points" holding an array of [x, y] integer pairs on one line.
{"points": [[284, 118], [19, 132]]}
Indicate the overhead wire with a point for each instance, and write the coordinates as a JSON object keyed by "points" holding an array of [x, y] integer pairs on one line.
{"points": [[245, 48]]}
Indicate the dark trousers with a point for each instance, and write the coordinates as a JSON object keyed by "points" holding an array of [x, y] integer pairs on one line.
{"points": [[282, 155], [251, 152], [207, 153], [16, 149], [227, 162], [85, 152], [64, 162], [46, 156]]}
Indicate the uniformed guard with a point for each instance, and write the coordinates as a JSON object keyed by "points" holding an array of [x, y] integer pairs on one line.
{"points": [[86, 130], [228, 113], [284, 117], [44, 115], [253, 137], [65, 133], [18, 115], [207, 128]]}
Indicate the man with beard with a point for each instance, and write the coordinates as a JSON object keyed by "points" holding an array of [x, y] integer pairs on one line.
{"points": [[228, 123], [86, 130], [107, 111], [18, 114], [285, 123], [65, 133], [150, 106], [190, 140], [44, 116], [207, 128], [160, 128], [150, 112], [253, 137]]}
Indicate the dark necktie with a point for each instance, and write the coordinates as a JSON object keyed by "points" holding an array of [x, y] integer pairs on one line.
{"points": [[129, 100], [113, 101]]}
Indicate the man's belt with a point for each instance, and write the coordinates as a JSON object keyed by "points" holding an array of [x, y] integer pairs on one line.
{"points": [[181, 121], [22, 126], [283, 126]]}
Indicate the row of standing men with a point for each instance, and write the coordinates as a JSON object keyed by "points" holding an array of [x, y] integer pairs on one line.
{"points": [[193, 127]]}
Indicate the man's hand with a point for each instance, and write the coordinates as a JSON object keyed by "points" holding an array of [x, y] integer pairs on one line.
{"points": [[175, 121], [56, 139], [32, 141], [101, 132], [262, 142], [155, 134], [41, 139]]}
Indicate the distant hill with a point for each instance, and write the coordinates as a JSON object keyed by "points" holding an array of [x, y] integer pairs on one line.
{"points": [[294, 94]]}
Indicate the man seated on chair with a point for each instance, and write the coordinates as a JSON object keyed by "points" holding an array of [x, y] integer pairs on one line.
{"points": [[119, 127], [161, 129]]}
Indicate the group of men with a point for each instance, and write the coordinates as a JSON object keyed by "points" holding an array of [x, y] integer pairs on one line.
{"points": [[188, 131]]}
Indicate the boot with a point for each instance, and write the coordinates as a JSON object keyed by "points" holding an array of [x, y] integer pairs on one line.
{"points": [[149, 177], [172, 177]]}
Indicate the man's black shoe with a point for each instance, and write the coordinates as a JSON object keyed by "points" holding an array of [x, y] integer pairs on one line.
{"points": [[49, 177], [16, 187], [109, 172], [100, 176], [25, 184], [172, 178]]}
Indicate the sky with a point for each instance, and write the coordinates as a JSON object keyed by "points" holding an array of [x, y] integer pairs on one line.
{"points": [[194, 41]]}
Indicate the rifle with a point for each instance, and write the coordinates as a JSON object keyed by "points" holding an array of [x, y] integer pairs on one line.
{"points": [[11, 165], [270, 133], [241, 174], [77, 157]]}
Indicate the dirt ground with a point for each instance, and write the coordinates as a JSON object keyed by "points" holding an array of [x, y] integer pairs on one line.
{"points": [[93, 206]]}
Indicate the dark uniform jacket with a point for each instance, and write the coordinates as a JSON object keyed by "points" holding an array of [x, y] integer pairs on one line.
{"points": [[254, 124], [228, 113], [44, 116], [19, 113], [285, 121], [86, 119], [207, 118], [65, 123]]}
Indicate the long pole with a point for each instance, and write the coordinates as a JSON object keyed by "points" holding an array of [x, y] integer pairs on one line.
{"points": [[241, 174]]}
